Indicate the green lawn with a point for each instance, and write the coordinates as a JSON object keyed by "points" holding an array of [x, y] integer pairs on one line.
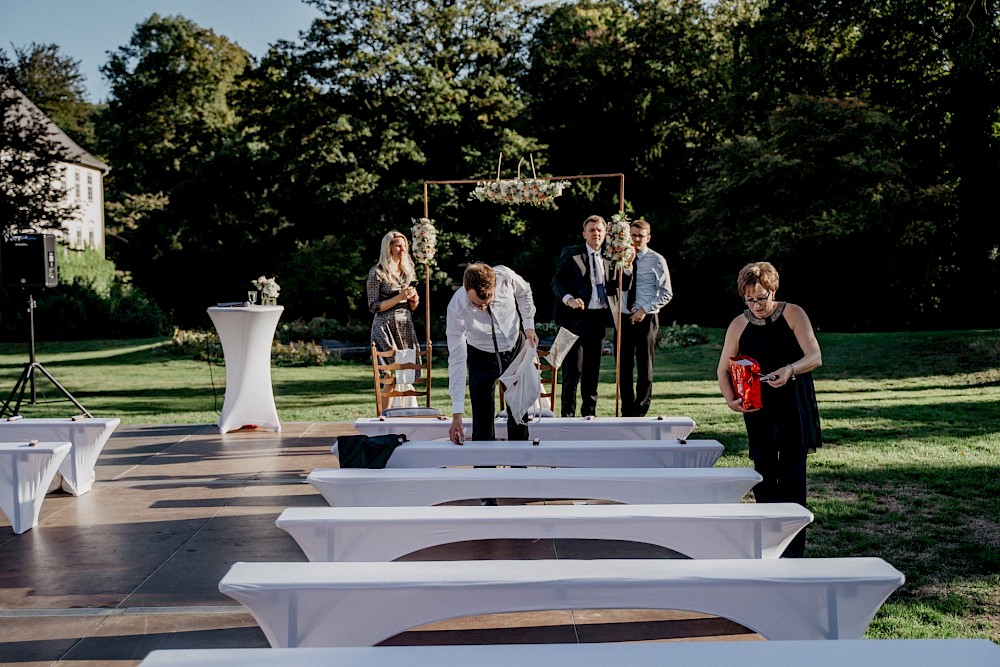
{"points": [[910, 471]]}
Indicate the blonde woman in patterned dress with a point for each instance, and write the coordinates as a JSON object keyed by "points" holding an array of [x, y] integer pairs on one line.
{"points": [[392, 297]]}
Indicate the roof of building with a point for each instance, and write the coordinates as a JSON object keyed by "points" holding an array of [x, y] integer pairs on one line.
{"points": [[75, 154]]}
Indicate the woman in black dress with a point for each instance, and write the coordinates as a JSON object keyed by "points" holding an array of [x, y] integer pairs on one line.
{"points": [[779, 336]]}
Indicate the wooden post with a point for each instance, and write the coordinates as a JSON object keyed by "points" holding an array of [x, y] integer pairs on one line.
{"points": [[427, 305]]}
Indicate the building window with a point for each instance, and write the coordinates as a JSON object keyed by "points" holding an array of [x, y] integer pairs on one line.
{"points": [[90, 187], [79, 238], [77, 178], [91, 242]]}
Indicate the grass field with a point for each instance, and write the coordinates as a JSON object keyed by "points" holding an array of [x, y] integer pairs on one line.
{"points": [[910, 471]]}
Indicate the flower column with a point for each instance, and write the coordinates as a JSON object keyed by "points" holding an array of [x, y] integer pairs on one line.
{"points": [[618, 248], [424, 247]]}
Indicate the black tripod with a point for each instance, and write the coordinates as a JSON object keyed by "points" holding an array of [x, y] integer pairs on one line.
{"points": [[28, 374]]}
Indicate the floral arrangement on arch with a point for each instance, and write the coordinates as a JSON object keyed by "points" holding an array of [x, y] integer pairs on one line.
{"points": [[618, 244], [533, 191], [268, 287], [424, 245]]}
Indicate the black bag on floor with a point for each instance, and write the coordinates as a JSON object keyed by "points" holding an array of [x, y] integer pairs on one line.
{"points": [[367, 451]]}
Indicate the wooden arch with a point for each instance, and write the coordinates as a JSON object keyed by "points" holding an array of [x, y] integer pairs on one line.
{"points": [[618, 315]]}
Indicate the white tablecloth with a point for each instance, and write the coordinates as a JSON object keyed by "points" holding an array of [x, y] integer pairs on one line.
{"points": [[86, 435], [814, 653], [559, 453], [354, 487], [246, 334], [361, 604], [734, 530], [547, 428], [25, 475]]}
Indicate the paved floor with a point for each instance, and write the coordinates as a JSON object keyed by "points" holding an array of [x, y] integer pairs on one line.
{"points": [[134, 565]]}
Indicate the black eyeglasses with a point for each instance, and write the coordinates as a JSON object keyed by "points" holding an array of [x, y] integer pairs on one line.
{"points": [[751, 301]]}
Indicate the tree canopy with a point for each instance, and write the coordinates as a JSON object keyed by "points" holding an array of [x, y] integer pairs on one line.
{"points": [[819, 135]]}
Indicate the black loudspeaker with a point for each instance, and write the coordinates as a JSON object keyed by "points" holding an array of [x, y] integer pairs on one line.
{"points": [[29, 260]]}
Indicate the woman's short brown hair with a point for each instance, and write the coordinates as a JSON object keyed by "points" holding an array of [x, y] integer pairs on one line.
{"points": [[757, 273], [481, 278]]}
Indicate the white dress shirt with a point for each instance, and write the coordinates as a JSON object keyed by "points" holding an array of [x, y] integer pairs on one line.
{"points": [[468, 325]]}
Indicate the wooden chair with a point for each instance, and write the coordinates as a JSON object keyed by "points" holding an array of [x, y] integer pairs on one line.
{"points": [[386, 386], [550, 380]]}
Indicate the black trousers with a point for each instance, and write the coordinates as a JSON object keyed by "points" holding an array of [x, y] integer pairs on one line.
{"points": [[582, 365], [638, 346], [483, 375], [784, 473]]}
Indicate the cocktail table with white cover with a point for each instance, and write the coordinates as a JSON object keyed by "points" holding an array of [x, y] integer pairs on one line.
{"points": [[557, 453], [731, 530], [87, 435], [25, 474], [361, 487], [361, 604], [246, 333], [546, 428], [792, 653]]}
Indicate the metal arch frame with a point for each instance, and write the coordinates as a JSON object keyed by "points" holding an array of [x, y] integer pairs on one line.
{"points": [[427, 271]]}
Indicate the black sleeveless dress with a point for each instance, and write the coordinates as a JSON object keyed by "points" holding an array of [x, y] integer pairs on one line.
{"points": [[789, 420]]}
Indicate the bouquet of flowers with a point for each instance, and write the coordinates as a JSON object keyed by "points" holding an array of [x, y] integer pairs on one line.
{"points": [[618, 246], [424, 240], [532, 191], [268, 287]]}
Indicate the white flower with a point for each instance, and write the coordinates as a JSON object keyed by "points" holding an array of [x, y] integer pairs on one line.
{"points": [[618, 245], [267, 286], [424, 245], [532, 191]]}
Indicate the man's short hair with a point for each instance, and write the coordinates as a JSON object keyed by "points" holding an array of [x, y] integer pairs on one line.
{"points": [[594, 218], [481, 278], [641, 224]]}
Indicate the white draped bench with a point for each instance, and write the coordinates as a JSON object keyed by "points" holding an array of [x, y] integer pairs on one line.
{"points": [[86, 435], [557, 453], [353, 487], [26, 471], [794, 653], [698, 531], [361, 604], [547, 428]]}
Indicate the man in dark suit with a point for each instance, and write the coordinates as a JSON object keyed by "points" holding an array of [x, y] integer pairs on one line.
{"points": [[586, 289]]}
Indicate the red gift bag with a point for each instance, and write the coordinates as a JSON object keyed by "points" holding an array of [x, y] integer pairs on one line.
{"points": [[745, 374]]}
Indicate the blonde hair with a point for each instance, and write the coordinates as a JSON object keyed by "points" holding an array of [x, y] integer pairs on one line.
{"points": [[757, 273], [386, 265]]}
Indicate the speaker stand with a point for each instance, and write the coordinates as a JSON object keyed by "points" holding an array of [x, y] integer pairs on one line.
{"points": [[27, 378]]}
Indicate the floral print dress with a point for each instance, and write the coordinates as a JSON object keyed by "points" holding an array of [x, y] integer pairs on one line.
{"points": [[392, 329]]}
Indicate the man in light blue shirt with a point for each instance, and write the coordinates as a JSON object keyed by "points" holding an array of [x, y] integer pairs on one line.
{"points": [[649, 293]]}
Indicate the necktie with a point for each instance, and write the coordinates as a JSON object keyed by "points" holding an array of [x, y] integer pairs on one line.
{"points": [[602, 294], [630, 298], [493, 330]]}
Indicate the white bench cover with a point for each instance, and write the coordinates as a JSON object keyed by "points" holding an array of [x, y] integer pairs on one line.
{"points": [[87, 436], [794, 653], [698, 531], [547, 428], [558, 453], [353, 487], [361, 604], [25, 474]]}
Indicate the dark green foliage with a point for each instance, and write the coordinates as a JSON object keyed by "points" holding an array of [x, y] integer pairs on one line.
{"points": [[53, 82], [32, 184], [826, 137]]}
